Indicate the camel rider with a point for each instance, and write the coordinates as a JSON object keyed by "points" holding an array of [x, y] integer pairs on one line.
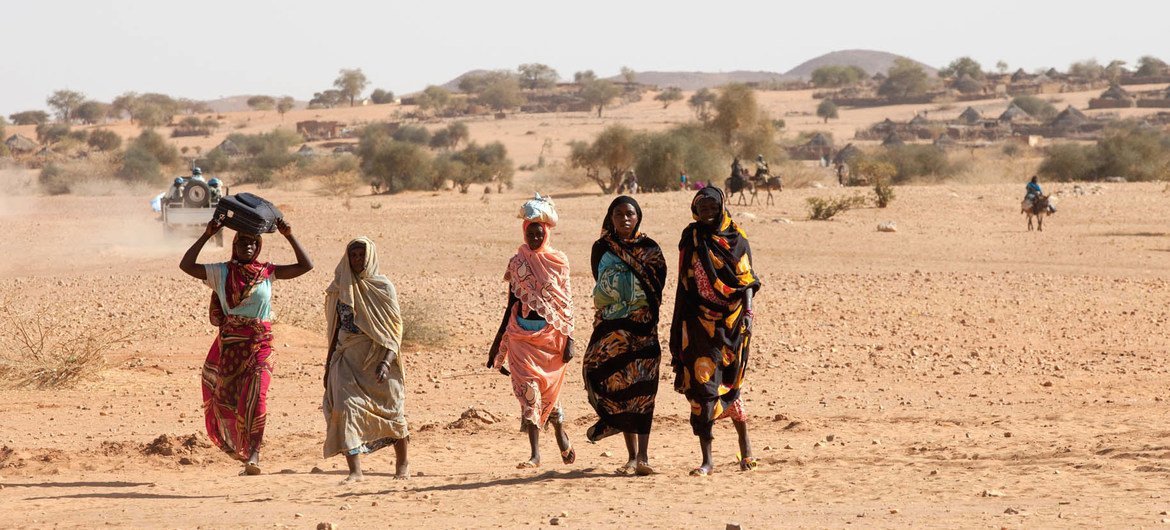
{"points": [[761, 166], [1034, 191]]}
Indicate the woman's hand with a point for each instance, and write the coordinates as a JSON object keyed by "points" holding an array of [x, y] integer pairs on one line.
{"points": [[383, 370], [284, 228], [568, 356], [213, 226]]}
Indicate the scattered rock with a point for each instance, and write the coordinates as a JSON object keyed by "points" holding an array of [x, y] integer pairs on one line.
{"points": [[186, 461], [876, 442], [734, 526], [326, 526], [782, 220], [992, 493], [346, 507], [745, 215], [887, 226], [555, 521], [298, 515], [316, 470], [1115, 180], [1046, 383], [606, 454], [830, 437], [1011, 511], [286, 471], [895, 511], [472, 418], [1007, 435]]}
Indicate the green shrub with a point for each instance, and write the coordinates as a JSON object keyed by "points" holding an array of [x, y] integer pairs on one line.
{"points": [[660, 157], [140, 165], [104, 140], [824, 208], [415, 134], [1036, 107], [1128, 150], [158, 147], [883, 193], [912, 161]]}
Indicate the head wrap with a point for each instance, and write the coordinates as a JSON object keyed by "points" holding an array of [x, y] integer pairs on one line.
{"points": [[371, 295]]}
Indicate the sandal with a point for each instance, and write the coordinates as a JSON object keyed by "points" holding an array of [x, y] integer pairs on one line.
{"points": [[748, 464], [527, 465], [626, 469], [699, 472], [643, 469], [568, 456], [250, 469]]}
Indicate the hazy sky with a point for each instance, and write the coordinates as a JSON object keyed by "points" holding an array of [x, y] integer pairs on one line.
{"points": [[206, 49]]}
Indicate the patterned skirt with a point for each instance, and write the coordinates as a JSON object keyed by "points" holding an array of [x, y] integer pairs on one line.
{"points": [[621, 374], [236, 376]]}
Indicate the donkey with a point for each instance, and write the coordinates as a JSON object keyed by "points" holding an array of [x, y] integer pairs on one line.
{"points": [[739, 184], [769, 183], [1038, 208]]}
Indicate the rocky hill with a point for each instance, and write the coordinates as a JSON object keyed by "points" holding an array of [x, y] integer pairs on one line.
{"points": [[869, 60]]}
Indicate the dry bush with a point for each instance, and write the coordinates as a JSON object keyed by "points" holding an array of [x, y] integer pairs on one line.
{"points": [[824, 208], [423, 324], [287, 177], [993, 166], [38, 351], [92, 176], [339, 184]]}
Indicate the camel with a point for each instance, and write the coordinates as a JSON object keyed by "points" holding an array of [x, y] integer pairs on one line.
{"points": [[1038, 208]]}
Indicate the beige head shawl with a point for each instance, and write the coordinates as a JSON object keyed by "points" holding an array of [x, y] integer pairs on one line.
{"points": [[372, 297]]}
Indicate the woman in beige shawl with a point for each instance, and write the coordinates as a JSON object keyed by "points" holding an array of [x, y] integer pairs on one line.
{"points": [[364, 392]]}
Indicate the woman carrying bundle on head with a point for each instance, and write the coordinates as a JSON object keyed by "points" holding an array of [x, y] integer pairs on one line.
{"points": [[534, 342], [364, 384], [712, 328], [621, 363], [238, 368]]}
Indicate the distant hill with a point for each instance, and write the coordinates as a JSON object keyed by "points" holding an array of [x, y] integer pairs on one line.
{"points": [[453, 85], [869, 60], [240, 103]]}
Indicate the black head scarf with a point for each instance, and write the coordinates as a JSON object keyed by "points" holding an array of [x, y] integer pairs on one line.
{"points": [[639, 252]]}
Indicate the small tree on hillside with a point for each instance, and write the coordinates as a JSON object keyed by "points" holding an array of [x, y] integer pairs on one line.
{"points": [[123, 105], [669, 95], [584, 76], [104, 140], [1001, 66], [65, 103], [92, 112], [1089, 70], [351, 83], [827, 110], [599, 93], [834, 76], [261, 103], [963, 66], [629, 74], [502, 93], [29, 117], [285, 104], [1149, 66], [905, 79], [326, 99], [433, 97], [536, 75], [608, 158], [701, 102], [381, 96]]}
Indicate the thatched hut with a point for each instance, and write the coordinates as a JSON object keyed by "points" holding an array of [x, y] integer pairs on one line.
{"points": [[970, 116], [1069, 118], [819, 146], [892, 140], [1014, 114], [885, 126], [846, 154], [305, 150], [1020, 76], [944, 142], [18, 144], [1115, 92], [919, 121], [229, 148]]}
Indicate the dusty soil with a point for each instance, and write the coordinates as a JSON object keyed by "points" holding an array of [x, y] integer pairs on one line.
{"points": [[959, 372]]}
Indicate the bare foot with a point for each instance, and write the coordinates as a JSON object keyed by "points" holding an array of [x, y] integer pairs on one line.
{"points": [[251, 469], [356, 476], [628, 468], [402, 472]]}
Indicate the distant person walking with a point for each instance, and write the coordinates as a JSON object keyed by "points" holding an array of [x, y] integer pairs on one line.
{"points": [[682, 180], [621, 363], [238, 368], [710, 336], [535, 342], [365, 394]]}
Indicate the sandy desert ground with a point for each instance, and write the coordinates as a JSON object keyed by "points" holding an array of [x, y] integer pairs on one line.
{"points": [[961, 372], [953, 373]]}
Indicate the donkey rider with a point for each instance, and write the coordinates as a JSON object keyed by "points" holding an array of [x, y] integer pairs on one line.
{"points": [[1034, 192]]}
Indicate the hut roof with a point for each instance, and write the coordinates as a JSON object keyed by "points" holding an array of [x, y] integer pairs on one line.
{"points": [[1115, 92], [970, 116], [305, 150], [819, 140], [919, 119], [1053, 73], [1069, 117], [1013, 113], [892, 140], [944, 140], [1020, 75], [229, 147], [21, 144], [846, 154]]}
